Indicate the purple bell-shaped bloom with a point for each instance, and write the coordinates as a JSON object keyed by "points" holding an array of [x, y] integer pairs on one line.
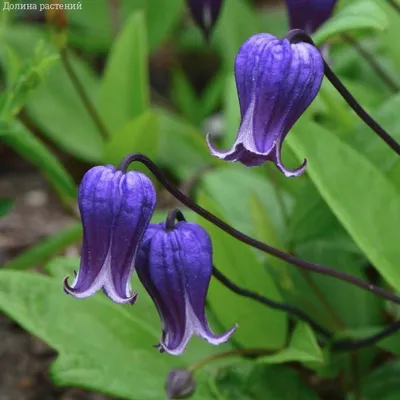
{"points": [[205, 13], [116, 208], [175, 267], [309, 15], [276, 81]]}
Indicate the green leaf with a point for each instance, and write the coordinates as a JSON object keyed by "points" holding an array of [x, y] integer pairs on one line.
{"points": [[46, 249], [231, 112], [361, 15], [5, 206], [184, 97], [140, 135], [55, 106], [124, 90], [382, 383], [224, 184], [32, 149], [303, 347], [364, 200], [183, 148], [26, 80], [81, 331], [262, 327], [249, 381], [91, 27], [238, 21]]}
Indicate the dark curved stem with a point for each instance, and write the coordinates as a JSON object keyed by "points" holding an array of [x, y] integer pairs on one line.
{"points": [[270, 303], [296, 36], [373, 63], [340, 345], [306, 265], [349, 345], [395, 5], [173, 215]]}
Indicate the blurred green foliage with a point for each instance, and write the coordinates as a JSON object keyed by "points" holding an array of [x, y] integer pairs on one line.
{"points": [[344, 212]]}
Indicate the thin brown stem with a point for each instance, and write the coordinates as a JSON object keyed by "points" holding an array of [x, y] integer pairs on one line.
{"points": [[231, 353], [82, 94]]}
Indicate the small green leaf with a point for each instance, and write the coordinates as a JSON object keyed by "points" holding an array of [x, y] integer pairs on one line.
{"points": [[361, 15], [140, 135], [124, 91], [303, 347], [32, 149], [55, 105], [362, 198], [5, 206]]}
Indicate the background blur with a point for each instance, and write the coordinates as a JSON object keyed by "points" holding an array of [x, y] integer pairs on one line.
{"points": [[158, 88]]}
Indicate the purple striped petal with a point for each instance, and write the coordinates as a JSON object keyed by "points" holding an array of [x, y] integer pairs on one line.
{"points": [[276, 82], [116, 208]]}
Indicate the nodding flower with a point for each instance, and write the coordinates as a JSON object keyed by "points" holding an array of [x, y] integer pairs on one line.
{"points": [[205, 13], [175, 267], [116, 208], [276, 81], [309, 15]]}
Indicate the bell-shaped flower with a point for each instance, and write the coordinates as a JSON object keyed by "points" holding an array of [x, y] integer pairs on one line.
{"points": [[276, 81], [116, 208], [205, 13], [175, 267], [309, 15]]}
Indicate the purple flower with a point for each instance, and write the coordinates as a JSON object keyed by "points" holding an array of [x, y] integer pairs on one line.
{"points": [[276, 81], [205, 13], [116, 208], [309, 15], [175, 267]]}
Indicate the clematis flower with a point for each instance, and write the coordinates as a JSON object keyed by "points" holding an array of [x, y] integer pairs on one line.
{"points": [[309, 15], [116, 208], [276, 81], [175, 267], [205, 13]]}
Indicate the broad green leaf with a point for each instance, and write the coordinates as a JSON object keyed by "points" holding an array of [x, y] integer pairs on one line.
{"points": [[124, 90], [82, 330], [5, 206], [361, 15], [49, 247], [55, 106], [232, 188], [212, 94], [262, 327], [92, 27], [303, 347], [32, 149], [183, 148], [238, 21], [184, 97], [382, 383], [365, 201], [140, 135], [231, 112], [370, 144], [249, 381]]}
